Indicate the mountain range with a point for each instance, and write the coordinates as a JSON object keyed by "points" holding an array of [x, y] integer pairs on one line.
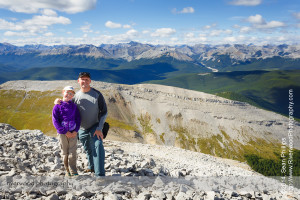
{"points": [[112, 56]]}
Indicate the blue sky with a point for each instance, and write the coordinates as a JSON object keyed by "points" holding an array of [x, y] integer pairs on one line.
{"points": [[171, 22]]}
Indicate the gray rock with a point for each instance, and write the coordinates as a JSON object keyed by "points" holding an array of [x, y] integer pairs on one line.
{"points": [[60, 191], [175, 173], [12, 172], [32, 195], [70, 197], [234, 194], [81, 193], [248, 195], [210, 195], [158, 194], [8, 143], [111, 196], [181, 196], [4, 167], [118, 151], [144, 196], [53, 197]]}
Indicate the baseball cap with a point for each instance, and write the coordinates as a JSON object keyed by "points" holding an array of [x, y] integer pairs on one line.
{"points": [[84, 74], [69, 88]]}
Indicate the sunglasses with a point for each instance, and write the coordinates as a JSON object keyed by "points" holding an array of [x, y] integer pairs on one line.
{"points": [[70, 93], [82, 74]]}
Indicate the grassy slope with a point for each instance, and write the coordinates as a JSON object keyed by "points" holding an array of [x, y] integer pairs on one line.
{"points": [[265, 89], [30, 110]]}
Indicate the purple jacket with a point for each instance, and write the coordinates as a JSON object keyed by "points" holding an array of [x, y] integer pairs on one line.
{"points": [[66, 117]]}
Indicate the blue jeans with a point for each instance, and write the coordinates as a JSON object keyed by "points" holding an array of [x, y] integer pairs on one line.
{"points": [[94, 149]]}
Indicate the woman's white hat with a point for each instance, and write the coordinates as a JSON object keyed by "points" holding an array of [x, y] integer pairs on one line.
{"points": [[69, 88]]}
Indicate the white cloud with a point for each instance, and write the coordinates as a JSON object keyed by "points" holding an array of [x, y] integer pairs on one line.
{"points": [[37, 24], [19, 34], [34, 6], [220, 32], [246, 2], [86, 28], [41, 23], [297, 15], [110, 24], [230, 39], [43, 20], [132, 32], [210, 26], [240, 39], [190, 38], [184, 10], [256, 19], [49, 12], [187, 10], [13, 19], [245, 29], [163, 32], [272, 24], [126, 26], [5, 25], [258, 22], [120, 38], [145, 32], [189, 35], [49, 34]]}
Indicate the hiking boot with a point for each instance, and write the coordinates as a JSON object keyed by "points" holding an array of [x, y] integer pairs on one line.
{"points": [[68, 174], [75, 174], [88, 170]]}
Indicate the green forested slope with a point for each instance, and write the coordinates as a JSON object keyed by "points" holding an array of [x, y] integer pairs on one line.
{"points": [[265, 89]]}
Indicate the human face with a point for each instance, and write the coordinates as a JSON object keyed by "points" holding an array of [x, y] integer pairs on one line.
{"points": [[84, 83], [67, 95]]}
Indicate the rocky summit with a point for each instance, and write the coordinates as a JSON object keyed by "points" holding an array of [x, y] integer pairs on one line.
{"points": [[31, 168]]}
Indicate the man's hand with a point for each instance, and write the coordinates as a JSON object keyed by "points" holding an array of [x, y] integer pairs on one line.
{"points": [[99, 134], [57, 101]]}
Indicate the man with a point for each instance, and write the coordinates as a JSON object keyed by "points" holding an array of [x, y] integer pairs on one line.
{"points": [[93, 111]]}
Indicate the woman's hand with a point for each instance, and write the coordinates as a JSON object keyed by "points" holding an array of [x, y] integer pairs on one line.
{"points": [[57, 101], [71, 135]]}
